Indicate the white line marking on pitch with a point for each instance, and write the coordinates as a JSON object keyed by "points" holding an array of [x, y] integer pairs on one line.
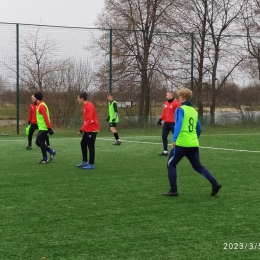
{"points": [[228, 149], [203, 147], [139, 142]]}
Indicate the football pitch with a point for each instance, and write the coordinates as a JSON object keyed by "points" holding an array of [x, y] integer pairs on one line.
{"points": [[117, 211]]}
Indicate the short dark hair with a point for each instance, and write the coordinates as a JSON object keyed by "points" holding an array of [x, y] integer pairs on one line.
{"points": [[83, 95], [110, 94]]}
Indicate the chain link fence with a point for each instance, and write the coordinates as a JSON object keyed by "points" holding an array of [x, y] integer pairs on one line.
{"points": [[137, 68]]}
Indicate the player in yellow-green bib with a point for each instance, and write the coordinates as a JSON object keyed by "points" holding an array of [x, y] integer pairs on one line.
{"points": [[185, 142], [113, 118], [44, 125]]}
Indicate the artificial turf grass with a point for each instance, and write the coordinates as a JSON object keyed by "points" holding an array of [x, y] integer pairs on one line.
{"points": [[117, 211]]}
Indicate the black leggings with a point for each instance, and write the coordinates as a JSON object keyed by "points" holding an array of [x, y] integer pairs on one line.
{"points": [[88, 143], [33, 127], [167, 127], [40, 141]]}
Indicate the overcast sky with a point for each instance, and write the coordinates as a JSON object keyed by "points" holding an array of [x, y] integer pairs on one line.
{"points": [[78, 13]]}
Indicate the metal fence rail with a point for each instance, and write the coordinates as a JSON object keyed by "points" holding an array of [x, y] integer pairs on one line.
{"points": [[63, 61]]}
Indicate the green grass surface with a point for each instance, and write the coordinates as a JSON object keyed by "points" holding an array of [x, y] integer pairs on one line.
{"points": [[117, 210]]}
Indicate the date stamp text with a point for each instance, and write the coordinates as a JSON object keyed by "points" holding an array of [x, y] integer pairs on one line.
{"points": [[241, 246]]}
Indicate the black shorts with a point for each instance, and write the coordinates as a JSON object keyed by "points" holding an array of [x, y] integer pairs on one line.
{"points": [[111, 124]]}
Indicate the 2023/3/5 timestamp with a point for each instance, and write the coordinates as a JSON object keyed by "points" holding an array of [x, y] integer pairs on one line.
{"points": [[241, 246]]}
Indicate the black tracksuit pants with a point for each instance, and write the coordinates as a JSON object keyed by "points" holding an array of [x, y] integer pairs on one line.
{"points": [[167, 127], [88, 144]]}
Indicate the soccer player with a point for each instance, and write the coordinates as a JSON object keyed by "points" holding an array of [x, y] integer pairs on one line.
{"points": [[44, 125], [168, 117], [32, 122], [185, 143], [113, 118], [89, 131]]}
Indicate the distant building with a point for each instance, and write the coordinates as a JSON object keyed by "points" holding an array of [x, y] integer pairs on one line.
{"points": [[124, 103]]}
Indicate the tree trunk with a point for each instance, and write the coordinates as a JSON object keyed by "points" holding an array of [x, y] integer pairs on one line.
{"points": [[144, 101], [213, 101], [200, 109], [141, 102], [212, 111], [201, 63], [145, 90], [258, 62]]}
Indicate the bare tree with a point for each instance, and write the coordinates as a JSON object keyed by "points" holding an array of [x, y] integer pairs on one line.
{"points": [[65, 85], [139, 47], [211, 21], [252, 26], [143, 47], [191, 16], [60, 79], [222, 18], [38, 61]]}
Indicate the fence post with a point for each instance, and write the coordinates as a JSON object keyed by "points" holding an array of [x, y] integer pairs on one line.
{"points": [[110, 60], [17, 80], [192, 61]]}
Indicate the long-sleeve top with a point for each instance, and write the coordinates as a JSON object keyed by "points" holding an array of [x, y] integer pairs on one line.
{"points": [[169, 109], [43, 111], [179, 114], [90, 118], [32, 114]]}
